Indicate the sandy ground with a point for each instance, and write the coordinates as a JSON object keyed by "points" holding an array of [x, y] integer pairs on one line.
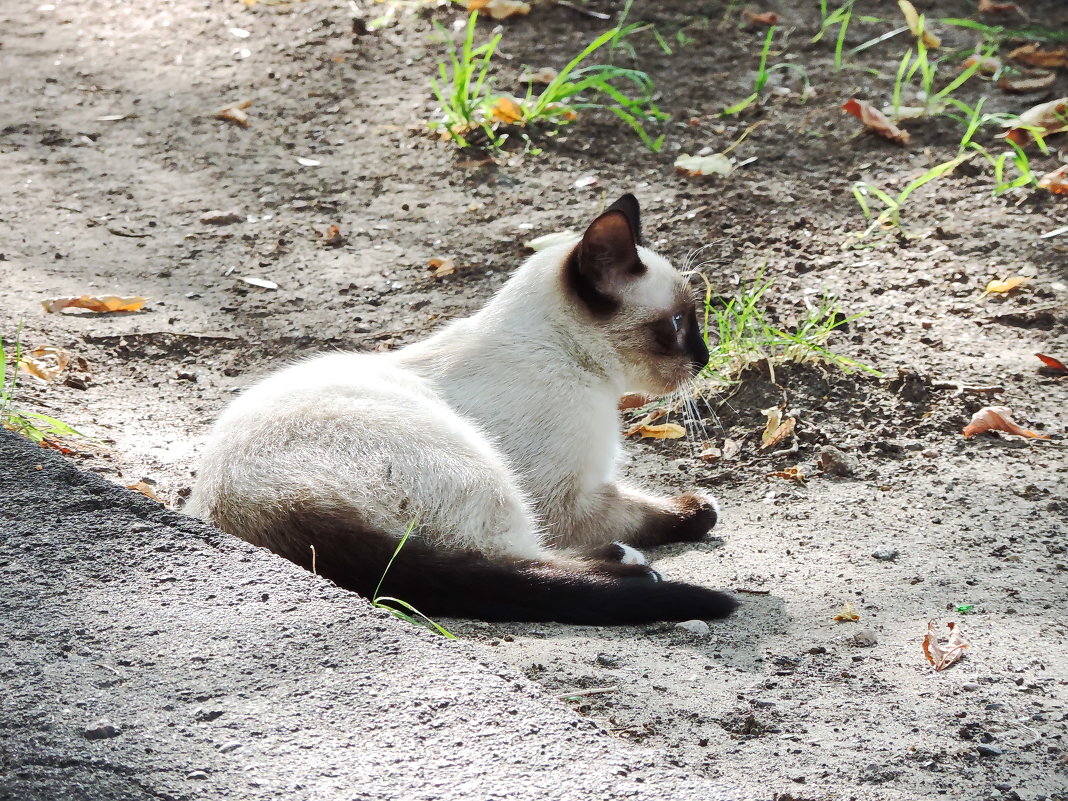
{"points": [[110, 155]]}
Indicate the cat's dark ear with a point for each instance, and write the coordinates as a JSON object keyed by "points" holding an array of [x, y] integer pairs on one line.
{"points": [[606, 259], [628, 204]]}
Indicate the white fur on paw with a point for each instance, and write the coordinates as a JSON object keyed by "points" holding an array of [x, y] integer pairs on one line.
{"points": [[631, 556]]}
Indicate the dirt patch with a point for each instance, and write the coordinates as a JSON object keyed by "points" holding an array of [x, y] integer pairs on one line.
{"points": [[781, 700]]}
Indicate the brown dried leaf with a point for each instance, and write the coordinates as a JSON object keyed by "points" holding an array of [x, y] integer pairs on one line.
{"points": [[507, 110], [439, 268], [939, 656], [790, 474], [1051, 117], [988, 65], [333, 238], [632, 400], [662, 431], [710, 454], [1033, 56], [235, 113], [875, 120], [998, 287], [703, 166], [1054, 365], [848, 613], [1056, 181], [145, 490], [990, 7], [498, 9], [104, 303], [760, 18], [777, 430], [542, 75], [997, 418], [912, 19], [45, 363], [1027, 84]]}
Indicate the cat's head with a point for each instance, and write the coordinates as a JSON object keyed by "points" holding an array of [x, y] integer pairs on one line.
{"points": [[641, 305]]}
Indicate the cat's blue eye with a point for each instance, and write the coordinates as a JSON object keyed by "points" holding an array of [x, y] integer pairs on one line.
{"points": [[676, 321]]}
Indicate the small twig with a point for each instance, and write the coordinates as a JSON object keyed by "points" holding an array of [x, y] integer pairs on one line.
{"points": [[109, 667], [587, 11], [960, 389], [580, 693], [314, 571], [752, 592]]}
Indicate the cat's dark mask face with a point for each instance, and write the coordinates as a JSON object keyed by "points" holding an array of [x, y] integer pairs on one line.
{"points": [[642, 304]]}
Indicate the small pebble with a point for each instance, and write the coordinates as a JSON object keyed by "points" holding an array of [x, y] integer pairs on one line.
{"points": [[101, 730], [930, 453], [197, 774], [971, 686], [864, 639], [232, 745], [696, 627], [221, 217], [836, 462], [989, 750], [885, 554]]}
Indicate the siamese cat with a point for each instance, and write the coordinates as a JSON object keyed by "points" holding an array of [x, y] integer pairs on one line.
{"points": [[495, 441]]}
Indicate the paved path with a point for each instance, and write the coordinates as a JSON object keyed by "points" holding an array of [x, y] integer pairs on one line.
{"points": [[147, 656]]}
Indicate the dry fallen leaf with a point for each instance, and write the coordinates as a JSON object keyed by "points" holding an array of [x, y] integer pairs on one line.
{"points": [[1052, 365], [790, 474], [875, 120], [848, 613], [997, 418], [507, 110], [1033, 56], [710, 453], [632, 400], [939, 656], [145, 490], [1056, 181], [990, 7], [703, 166], [542, 75], [988, 65], [760, 18], [912, 19], [586, 182], [499, 9], [1002, 287], [662, 431], [333, 238], [235, 113], [45, 363], [104, 303], [439, 268], [777, 430], [1026, 84], [1051, 117]]}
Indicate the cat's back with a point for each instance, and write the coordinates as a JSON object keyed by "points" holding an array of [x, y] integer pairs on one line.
{"points": [[324, 383]]}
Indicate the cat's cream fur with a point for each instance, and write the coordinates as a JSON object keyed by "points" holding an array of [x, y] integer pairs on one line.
{"points": [[499, 434]]}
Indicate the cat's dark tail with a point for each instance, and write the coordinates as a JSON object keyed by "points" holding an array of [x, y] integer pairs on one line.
{"points": [[469, 584]]}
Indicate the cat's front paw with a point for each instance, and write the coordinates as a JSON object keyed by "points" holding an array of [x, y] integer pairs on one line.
{"points": [[698, 513]]}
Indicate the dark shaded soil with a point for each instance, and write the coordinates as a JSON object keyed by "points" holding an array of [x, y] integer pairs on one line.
{"points": [[777, 700]]}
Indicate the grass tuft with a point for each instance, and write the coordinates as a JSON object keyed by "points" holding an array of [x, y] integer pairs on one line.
{"points": [[468, 104], [39, 428], [738, 333], [402, 609]]}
